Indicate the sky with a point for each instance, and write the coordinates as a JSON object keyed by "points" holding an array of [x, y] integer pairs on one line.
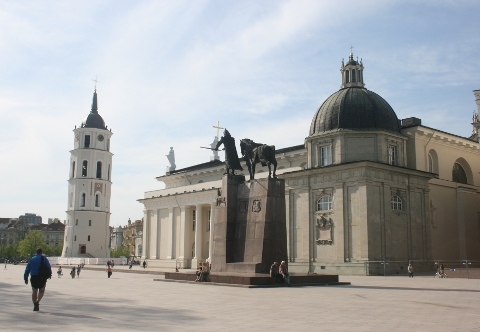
{"points": [[167, 71]]}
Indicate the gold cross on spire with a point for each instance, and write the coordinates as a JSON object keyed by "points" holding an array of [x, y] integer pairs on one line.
{"points": [[218, 127]]}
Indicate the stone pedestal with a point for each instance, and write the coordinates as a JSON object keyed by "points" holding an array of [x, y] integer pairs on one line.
{"points": [[249, 225]]}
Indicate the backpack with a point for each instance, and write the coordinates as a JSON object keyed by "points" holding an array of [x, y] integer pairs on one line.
{"points": [[44, 272]]}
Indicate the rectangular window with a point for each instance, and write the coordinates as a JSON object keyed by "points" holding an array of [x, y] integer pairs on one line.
{"points": [[75, 238], [326, 155], [89, 223], [89, 238], [392, 155], [87, 141], [76, 222]]}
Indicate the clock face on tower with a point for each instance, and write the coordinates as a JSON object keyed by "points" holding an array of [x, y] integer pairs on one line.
{"points": [[100, 137]]}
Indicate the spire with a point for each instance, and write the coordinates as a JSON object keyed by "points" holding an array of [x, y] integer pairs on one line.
{"points": [[94, 102]]}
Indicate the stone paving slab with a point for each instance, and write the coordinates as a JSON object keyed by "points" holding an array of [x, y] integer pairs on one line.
{"points": [[131, 301]]}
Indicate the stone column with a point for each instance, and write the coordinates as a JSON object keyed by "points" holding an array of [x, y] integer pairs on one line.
{"points": [[170, 234], [153, 239], [158, 237], [183, 233], [145, 244], [210, 244], [198, 237]]}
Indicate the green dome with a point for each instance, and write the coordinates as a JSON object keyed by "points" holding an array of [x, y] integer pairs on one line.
{"points": [[354, 108]]}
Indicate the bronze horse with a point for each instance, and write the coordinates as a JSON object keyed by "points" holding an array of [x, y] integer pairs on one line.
{"points": [[254, 153]]}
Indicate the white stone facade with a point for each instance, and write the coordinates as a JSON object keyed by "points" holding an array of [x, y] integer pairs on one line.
{"points": [[89, 190], [379, 196]]}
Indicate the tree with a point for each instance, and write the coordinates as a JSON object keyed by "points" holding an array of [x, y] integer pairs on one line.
{"points": [[8, 251], [33, 240], [57, 250], [118, 252]]}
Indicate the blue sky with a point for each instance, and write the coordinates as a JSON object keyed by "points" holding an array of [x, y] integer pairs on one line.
{"points": [[169, 70]]}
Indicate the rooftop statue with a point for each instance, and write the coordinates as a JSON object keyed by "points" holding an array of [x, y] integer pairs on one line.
{"points": [[231, 157], [171, 158], [254, 153]]}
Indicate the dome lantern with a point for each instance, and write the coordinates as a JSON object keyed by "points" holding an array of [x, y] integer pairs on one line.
{"points": [[352, 73]]}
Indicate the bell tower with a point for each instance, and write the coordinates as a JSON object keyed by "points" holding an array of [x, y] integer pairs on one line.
{"points": [[89, 189]]}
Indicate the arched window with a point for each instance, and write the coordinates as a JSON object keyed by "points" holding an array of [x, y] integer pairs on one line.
{"points": [[82, 203], [347, 76], [430, 163], [97, 200], [99, 169], [73, 169], [458, 174], [396, 203], [84, 168], [354, 77], [325, 203]]}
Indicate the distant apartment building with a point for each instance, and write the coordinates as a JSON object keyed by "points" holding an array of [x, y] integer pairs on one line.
{"points": [[31, 218], [53, 232]]}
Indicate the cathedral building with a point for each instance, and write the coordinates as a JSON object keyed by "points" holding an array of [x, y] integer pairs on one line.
{"points": [[363, 190], [89, 189]]}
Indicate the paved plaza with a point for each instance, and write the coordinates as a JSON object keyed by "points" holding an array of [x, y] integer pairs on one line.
{"points": [[133, 301]]}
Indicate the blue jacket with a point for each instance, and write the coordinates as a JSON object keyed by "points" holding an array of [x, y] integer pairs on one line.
{"points": [[33, 266]]}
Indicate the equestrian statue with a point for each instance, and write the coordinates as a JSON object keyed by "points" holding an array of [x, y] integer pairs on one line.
{"points": [[254, 153]]}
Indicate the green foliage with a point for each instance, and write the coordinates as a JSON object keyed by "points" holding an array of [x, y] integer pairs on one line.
{"points": [[34, 240], [57, 250], [9, 251], [122, 251]]}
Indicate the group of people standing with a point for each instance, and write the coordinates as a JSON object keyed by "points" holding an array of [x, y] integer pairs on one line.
{"points": [[279, 273]]}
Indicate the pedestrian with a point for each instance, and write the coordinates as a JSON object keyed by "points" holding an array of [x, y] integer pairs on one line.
{"points": [[109, 271], [38, 277], [5, 264], [144, 264], [60, 272], [283, 271], [130, 265], [274, 272], [410, 270], [72, 272], [78, 271]]}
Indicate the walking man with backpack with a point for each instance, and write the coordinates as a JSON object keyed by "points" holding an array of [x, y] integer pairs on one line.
{"points": [[40, 270]]}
